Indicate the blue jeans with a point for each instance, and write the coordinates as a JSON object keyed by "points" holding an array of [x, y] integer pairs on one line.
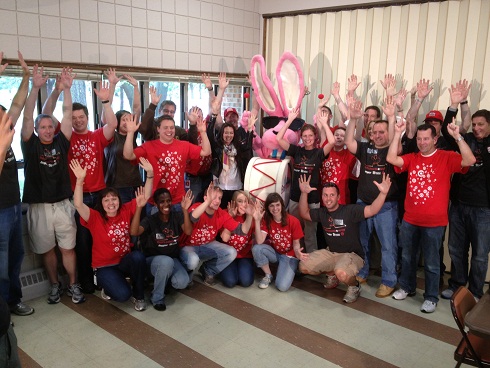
{"points": [[240, 271], [11, 253], [412, 238], [385, 224], [469, 225], [286, 270], [83, 248], [113, 278], [163, 269], [216, 256]]}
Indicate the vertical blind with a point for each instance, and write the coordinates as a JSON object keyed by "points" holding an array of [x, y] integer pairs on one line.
{"points": [[440, 41]]}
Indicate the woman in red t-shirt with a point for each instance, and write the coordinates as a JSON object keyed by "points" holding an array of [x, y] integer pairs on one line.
{"points": [[109, 223], [241, 270], [282, 233]]}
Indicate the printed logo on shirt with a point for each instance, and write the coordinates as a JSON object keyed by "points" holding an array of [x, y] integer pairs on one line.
{"points": [[421, 183], [330, 170], [336, 227], [85, 152], [203, 235], [119, 235], [168, 167], [281, 240], [49, 158]]}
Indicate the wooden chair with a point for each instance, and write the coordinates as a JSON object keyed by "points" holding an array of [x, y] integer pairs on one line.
{"points": [[472, 350]]}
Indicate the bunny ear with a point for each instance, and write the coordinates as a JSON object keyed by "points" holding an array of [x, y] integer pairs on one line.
{"points": [[290, 82], [265, 94]]}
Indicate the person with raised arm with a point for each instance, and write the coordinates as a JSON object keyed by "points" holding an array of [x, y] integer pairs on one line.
{"points": [[340, 223], [109, 223], [426, 204]]}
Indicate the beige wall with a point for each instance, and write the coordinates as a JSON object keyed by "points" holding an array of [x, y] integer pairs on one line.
{"points": [[208, 35]]}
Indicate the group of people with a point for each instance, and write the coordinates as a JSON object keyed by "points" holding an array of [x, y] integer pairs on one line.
{"points": [[114, 228]]}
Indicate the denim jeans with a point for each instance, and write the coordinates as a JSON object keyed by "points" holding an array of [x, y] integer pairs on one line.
{"points": [[163, 269], [412, 238], [240, 271], [216, 256], [113, 278], [11, 253], [286, 270], [83, 248], [469, 225], [385, 224]]}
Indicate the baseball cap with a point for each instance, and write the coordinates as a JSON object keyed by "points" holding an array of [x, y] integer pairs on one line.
{"points": [[230, 110], [434, 115]]}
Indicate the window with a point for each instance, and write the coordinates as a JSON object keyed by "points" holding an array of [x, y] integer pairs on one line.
{"points": [[168, 91], [123, 97], [198, 95]]}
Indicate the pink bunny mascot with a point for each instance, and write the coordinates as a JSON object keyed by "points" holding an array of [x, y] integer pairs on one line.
{"points": [[290, 84]]}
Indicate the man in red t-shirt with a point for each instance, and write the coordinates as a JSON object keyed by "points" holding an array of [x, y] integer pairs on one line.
{"points": [[209, 220], [167, 155], [426, 203]]}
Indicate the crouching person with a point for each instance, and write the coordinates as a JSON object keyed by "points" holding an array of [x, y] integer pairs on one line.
{"points": [[283, 232], [345, 256], [109, 224]]}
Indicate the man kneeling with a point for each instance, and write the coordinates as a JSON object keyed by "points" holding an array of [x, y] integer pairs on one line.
{"points": [[344, 257]]}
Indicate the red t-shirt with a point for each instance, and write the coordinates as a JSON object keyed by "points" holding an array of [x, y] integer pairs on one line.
{"points": [[281, 237], [201, 166], [168, 161], [207, 227], [337, 168], [88, 149], [111, 238], [242, 243], [429, 181]]}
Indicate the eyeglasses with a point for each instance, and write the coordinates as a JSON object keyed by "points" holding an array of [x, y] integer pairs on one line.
{"points": [[169, 112]]}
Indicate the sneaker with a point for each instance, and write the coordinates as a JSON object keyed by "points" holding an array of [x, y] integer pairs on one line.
{"points": [[266, 280], [104, 296], [332, 282], [208, 280], [352, 293], [54, 296], [384, 291], [160, 306], [75, 291], [428, 306], [447, 294], [139, 304], [21, 309], [401, 294]]}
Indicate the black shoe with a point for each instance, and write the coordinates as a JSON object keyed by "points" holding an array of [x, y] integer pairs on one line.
{"points": [[160, 307]]}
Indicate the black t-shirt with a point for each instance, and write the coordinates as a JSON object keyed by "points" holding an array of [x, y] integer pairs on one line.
{"points": [[9, 181], [341, 227], [46, 170], [160, 238], [373, 165], [306, 162], [120, 173]]}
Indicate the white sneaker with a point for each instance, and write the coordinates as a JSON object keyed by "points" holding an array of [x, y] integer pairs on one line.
{"points": [[428, 306], [401, 294], [266, 280]]}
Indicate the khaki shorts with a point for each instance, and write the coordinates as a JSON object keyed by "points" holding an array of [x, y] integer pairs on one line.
{"points": [[51, 223], [323, 261]]}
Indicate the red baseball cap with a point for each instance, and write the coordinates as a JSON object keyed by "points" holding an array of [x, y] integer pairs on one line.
{"points": [[230, 110], [434, 115]]}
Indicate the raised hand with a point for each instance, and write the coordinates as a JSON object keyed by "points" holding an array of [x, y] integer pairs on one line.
{"points": [[206, 79], [193, 115], [232, 208], [132, 124], [252, 119], [389, 84], [111, 76], [154, 97], [104, 92], [258, 211], [464, 87], [67, 77], [400, 98], [146, 165], [423, 88], [222, 81], [352, 84], [79, 171], [355, 109], [335, 90], [385, 184], [201, 124], [2, 66], [38, 79], [293, 114], [140, 197], [187, 200], [389, 106], [131, 80], [400, 126], [304, 184], [22, 62], [322, 118], [456, 95], [453, 129]]}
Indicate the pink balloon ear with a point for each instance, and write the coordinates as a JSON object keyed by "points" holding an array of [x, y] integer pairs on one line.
{"points": [[264, 90], [290, 81]]}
